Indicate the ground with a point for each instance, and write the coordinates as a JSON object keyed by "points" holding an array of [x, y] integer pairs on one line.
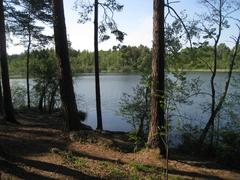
{"points": [[39, 149]]}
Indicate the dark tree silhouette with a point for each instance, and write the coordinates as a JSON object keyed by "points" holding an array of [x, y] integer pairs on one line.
{"points": [[7, 98], [96, 60], [156, 137], [1, 99], [69, 105]]}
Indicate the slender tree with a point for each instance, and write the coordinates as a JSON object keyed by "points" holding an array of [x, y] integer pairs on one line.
{"points": [[96, 60], [156, 137], [108, 6], [220, 12], [26, 28], [1, 100], [23, 24], [7, 98], [69, 105]]}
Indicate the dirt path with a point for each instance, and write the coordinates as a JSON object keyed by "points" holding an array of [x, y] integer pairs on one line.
{"points": [[30, 155], [29, 146]]}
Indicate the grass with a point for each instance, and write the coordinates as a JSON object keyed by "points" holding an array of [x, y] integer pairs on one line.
{"points": [[77, 162], [112, 170], [143, 168]]}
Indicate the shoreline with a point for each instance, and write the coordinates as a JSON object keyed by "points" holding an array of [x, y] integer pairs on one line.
{"points": [[135, 73], [207, 70]]}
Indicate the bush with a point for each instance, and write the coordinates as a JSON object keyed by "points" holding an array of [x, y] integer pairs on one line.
{"points": [[189, 136], [228, 148], [226, 145], [125, 69], [19, 93], [46, 87]]}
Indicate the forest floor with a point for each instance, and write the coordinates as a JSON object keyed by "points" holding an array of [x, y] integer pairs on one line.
{"points": [[39, 149]]}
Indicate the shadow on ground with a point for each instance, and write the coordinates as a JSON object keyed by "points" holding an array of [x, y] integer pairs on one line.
{"points": [[19, 172], [35, 137]]}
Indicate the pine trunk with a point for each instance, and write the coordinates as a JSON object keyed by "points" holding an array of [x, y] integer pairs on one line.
{"points": [[156, 137], [1, 99], [28, 84], [7, 98], [69, 105], [96, 58]]}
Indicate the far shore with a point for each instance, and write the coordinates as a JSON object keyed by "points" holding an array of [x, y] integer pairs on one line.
{"points": [[135, 73], [207, 70]]}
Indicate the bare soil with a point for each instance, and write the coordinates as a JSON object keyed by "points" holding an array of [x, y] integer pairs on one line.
{"points": [[38, 148]]}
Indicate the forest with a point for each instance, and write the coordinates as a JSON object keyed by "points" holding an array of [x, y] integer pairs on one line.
{"points": [[129, 59], [169, 111]]}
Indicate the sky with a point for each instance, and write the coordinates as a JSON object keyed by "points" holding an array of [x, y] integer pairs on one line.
{"points": [[135, 20]]}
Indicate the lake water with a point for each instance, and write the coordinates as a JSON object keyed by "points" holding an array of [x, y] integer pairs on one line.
{"points": [[112, 88]]}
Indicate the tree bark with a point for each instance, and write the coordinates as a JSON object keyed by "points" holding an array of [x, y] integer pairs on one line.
{"points": [[69, 105], [156, 136], [28, 58], [96, 58], [7, 98], [1, 100]]}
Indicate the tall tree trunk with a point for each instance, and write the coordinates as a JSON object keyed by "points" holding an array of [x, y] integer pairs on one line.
{"points": [[96, 58], [28, 57], [156, 136], [7, 98], [69, 105], [1, 100]]}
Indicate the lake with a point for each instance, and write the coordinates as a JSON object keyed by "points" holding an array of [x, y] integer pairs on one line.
{"points": [[114, 85], [112, 88]]}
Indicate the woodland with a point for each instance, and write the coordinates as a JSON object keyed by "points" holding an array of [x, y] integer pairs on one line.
{"points": [[43, 134]]}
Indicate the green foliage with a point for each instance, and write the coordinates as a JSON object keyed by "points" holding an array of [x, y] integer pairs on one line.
{"points": [[228, 147], [135, 107], [143, 167], [226, 144], [17, 65], [45, 75], [119, 59], [78, 162], [19, 96], [107, 23], [133, 59], [137, 139], [116, 172], [189, 136]]}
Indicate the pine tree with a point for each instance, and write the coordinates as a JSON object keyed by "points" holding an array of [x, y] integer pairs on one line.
{"points": [[156, 137], [69, 105], [7, 97]]}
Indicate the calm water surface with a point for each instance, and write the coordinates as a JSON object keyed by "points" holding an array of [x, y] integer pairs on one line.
{"points": [[112, 88]]}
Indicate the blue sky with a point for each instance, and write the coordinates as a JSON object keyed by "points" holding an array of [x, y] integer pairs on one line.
{"points": [[135, 20]]}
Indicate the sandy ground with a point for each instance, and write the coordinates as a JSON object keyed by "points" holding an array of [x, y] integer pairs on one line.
{"points": [[25, 153]]}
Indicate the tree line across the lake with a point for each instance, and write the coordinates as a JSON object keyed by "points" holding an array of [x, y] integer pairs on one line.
{"points": [[128, 59], [155, 101]]}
